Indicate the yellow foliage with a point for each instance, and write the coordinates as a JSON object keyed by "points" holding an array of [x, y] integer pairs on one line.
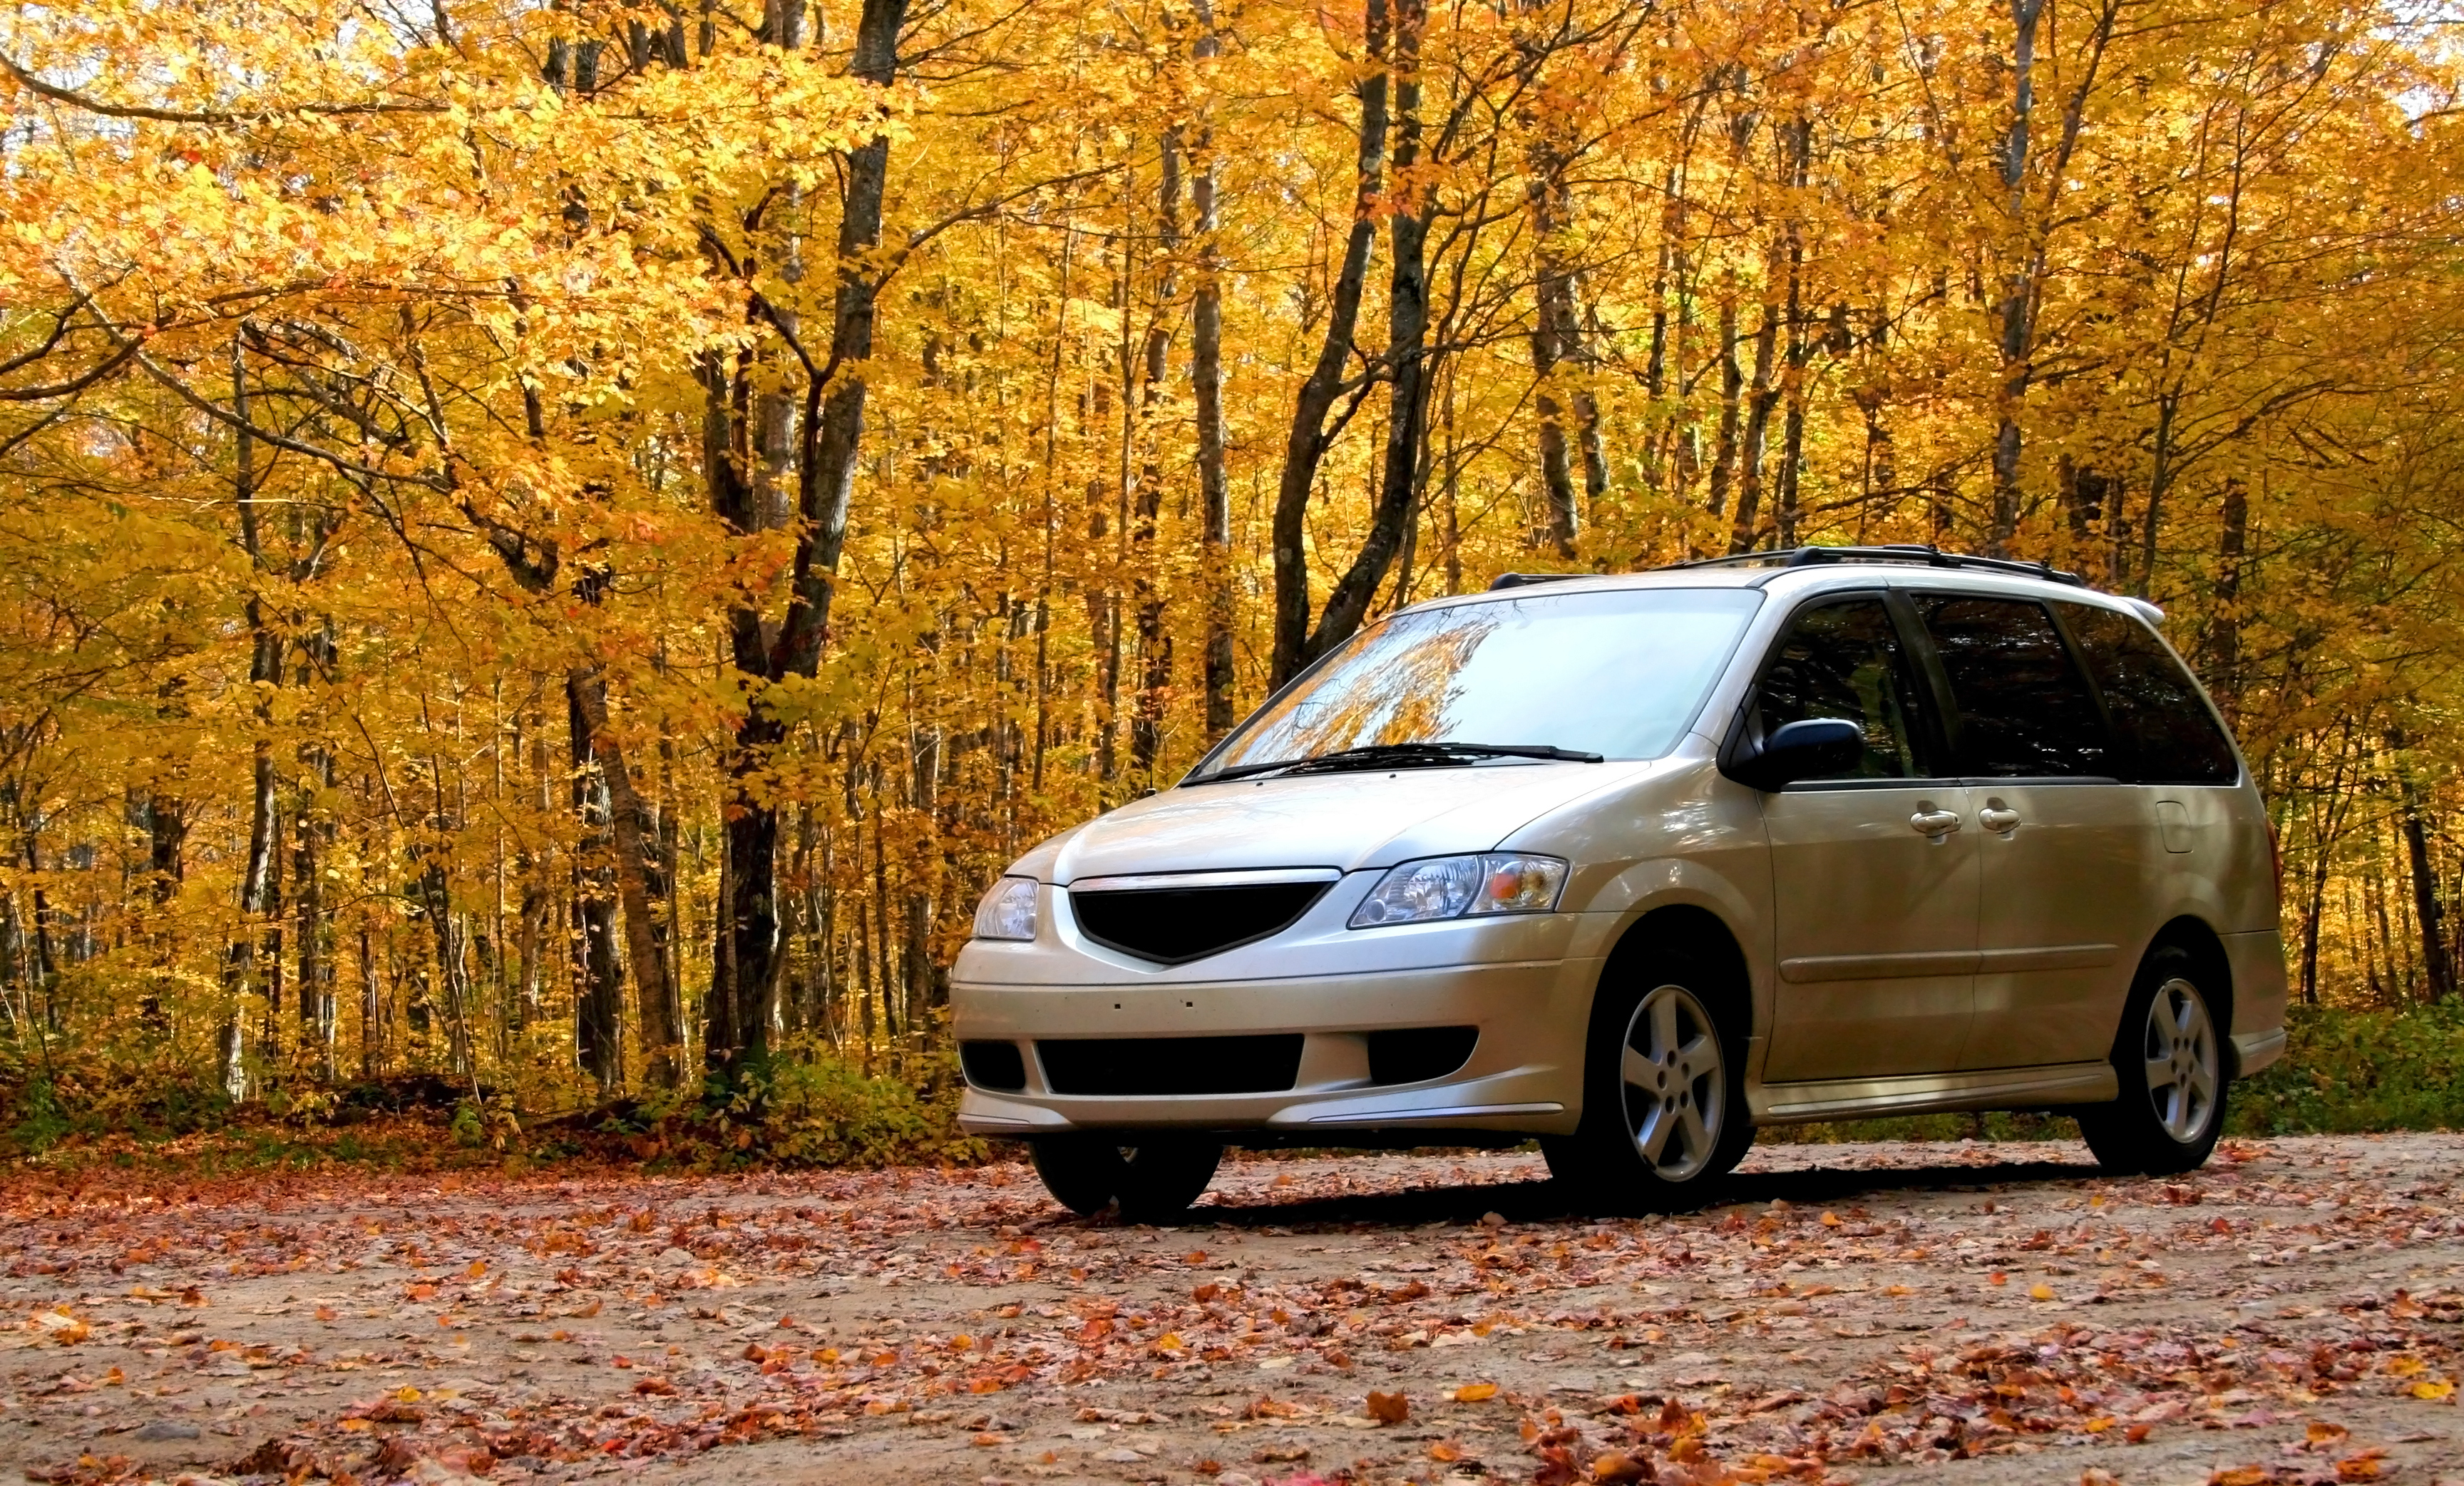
{"points": [[475, 488]]}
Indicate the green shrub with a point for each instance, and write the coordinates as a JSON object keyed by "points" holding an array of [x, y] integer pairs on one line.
{"points": [[48, 1095], [2349, 1071], [815, 1110]]}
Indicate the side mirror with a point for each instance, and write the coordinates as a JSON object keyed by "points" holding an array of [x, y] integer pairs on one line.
{"points": [[1806, 750]]}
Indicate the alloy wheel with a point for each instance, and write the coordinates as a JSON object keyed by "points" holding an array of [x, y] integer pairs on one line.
{"points": [[1676, 1083], [2184, 1072]]}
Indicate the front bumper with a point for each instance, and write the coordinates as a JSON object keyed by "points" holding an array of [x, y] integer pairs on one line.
{"points": [[1524, 1075]]}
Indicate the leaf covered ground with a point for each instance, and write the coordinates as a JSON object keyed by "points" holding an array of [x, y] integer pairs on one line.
{"points": [[1953, 1312]]}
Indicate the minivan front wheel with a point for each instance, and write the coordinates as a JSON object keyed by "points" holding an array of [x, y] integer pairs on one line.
{"points": [[2168, 1060], [1155, 1180], [1663, 1103]]}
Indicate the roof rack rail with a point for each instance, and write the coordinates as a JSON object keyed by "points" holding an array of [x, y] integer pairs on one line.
{"points": [[1893, 552], [1526, 580]]}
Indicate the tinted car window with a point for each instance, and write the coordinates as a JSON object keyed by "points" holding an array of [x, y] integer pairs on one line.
{"points": [[1844, 660], [2024, 709], [2163, 726]]}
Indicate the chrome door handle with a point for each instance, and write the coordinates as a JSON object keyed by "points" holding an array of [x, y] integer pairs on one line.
{"points": [[1934, 823], [1993, 819]]}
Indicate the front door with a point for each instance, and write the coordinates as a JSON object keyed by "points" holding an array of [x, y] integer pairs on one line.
{"points": [[1874, 872], [2062, 843]]}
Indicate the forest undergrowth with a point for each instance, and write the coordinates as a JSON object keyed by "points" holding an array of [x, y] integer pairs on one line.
{"points": [[2346, 1071]]}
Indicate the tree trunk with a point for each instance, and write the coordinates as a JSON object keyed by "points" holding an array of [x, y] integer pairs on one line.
{"points": [[1797, 157], [252, 959], [1732, 391], [1408, 362], [2220, 658], [598, 1000], [1552, 338], [2017, 309], [166, 836], [2023, 281], [536, 898], [831, 429], [2429, 912], [1304, 446], [1155, 641], [373, 1015], [641, 880], [2086, 494], [1761, 396], [312, 834], [1207, 389]]}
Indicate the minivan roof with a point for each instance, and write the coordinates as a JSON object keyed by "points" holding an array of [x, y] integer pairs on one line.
{"points": [[1902, 553], [1796, 573]]}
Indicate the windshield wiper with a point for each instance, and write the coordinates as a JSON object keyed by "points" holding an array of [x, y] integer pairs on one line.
{"points": [[1381, 755]]}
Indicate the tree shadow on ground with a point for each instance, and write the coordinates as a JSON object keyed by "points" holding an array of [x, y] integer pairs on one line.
{"points": [[1554, 1202]]}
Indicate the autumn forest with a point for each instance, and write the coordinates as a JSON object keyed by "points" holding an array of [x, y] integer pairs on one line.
{"points": [[562, 545]]}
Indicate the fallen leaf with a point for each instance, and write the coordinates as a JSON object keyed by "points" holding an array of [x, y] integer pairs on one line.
{"points": [[1475, 1392], [62, 1327], [1389, 1408]]}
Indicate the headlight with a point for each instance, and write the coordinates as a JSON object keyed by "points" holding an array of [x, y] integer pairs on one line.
{"points": [[1448, 887], [1007, 911]]}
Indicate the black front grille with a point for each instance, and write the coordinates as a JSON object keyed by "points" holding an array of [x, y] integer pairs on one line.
{"points": [[1172, 1065], [994, 1065], [1412, 1054], [1175, 926]]}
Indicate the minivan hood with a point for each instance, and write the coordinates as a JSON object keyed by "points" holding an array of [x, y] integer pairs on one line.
{"points": [[1348, 820]]}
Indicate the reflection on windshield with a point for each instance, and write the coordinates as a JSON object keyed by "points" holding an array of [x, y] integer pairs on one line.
{"points": [[1618, 672]]}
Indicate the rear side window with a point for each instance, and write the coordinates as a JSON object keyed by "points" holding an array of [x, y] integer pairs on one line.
{"points": [[2164, 727], [2024, 709], [1844, 660]]}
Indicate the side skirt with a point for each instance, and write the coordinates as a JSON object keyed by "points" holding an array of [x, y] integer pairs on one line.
{"points": [[1917, 1094]]}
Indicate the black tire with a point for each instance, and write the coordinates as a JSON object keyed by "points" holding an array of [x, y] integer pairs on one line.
{"points": [[1151, 1182], [1661, 1129], [2169, 1055]]}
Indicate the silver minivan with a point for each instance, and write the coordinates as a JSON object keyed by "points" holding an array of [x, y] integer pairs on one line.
{"points": [[1635, 865]]}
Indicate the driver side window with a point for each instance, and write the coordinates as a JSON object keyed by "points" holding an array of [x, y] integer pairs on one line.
{"points": [[1844, 660]]}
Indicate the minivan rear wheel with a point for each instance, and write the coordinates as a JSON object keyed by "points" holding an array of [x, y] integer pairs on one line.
{"points": [[2169, 1060], [1664, 1113], [1154, 1180]]}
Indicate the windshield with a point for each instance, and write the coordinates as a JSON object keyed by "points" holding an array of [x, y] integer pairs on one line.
{"points": [[1618, 672]]}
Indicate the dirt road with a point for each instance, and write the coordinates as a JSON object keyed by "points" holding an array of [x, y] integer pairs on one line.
{"points": [[1972, 1314]]}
